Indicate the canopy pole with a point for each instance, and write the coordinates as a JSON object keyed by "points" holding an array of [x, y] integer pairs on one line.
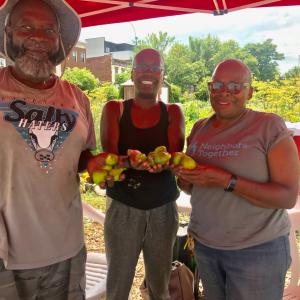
{"points": [[144, 4], [217, 11], [224, 4]]}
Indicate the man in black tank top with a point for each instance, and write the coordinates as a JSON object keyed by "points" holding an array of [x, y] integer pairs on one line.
{"points": [[143, 214]]}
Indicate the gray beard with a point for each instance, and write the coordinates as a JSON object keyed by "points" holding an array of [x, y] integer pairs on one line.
{"points": [[35, 69]]}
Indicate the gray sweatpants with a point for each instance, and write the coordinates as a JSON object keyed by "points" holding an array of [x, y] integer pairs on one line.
{"points": [[61, 281], [127, 232]]}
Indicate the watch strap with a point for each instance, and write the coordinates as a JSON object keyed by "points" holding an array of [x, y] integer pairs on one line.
{"points": [[232, 183]]}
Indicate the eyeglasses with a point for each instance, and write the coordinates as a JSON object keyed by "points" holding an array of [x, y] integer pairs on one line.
{"points": [[146, 68], [231, 87]]}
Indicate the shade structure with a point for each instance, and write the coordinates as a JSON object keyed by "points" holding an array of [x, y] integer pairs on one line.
{"points": [[99, 12]]}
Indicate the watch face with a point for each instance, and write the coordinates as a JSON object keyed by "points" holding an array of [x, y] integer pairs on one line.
{"points": [[232, 184]]}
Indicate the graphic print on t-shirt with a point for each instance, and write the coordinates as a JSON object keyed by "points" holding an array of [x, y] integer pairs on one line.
{"points": [[215, 150], [43, 128]]}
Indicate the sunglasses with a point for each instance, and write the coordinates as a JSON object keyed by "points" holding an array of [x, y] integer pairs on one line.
{"points": [[231, 87], [146, 68]]}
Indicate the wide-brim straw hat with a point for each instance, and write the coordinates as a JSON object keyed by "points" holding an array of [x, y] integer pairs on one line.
{"points": [[69, 24]]}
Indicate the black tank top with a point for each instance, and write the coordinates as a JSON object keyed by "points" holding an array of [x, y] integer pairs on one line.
{"points": [[141, 189]]}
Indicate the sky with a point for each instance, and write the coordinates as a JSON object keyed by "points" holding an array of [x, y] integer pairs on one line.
{"points": [[281, 24]]}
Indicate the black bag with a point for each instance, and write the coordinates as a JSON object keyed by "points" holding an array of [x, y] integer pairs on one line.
{"points": [[183, 251]]}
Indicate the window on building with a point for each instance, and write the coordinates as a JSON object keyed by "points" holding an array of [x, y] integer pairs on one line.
{"points": [[107, 50], [116, 70], [2, 63], [74, 55], [82, 56]]}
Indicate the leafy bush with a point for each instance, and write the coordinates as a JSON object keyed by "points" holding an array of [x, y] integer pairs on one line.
{"points": [[174, 93], [83, 78], [98, 97], [193, 111], [278, 96]]}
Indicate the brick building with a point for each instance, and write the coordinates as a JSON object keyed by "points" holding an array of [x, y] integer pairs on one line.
{"points": [[106, 67], [104, 59], [77, 57]]}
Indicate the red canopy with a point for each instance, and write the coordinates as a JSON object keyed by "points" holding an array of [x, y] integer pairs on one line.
{"points": [[98, 12]]}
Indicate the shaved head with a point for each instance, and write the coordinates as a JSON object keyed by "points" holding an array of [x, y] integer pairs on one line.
{"points": [[235, 66], [148, 52]]}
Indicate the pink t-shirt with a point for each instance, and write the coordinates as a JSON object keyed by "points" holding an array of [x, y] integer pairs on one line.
{"points": [[42, 133], [223, 220]]}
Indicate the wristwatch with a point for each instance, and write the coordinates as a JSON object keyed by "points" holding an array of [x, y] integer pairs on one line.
{"points": [[232, 183]]}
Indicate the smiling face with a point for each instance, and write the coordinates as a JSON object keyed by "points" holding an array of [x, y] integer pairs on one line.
{"points": [[33, 39], [229, 106], [147, 74]]}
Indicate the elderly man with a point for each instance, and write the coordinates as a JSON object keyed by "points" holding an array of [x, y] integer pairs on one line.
{"points": [[142, 215], [248, 175], [46, 130]]}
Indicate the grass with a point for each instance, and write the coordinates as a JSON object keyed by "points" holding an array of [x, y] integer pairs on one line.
{"points": [[94, 200]]}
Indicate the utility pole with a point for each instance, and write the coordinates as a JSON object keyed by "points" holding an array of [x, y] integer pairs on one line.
{"points": [[135, 37], [298, 64], [298, 81]]}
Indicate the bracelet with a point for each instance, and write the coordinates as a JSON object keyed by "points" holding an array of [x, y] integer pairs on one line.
{"points": [[232, 183]]}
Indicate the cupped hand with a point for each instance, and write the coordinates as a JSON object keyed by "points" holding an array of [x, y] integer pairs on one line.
{"points": [[109, 182], [156, 168], [205, 176], [175, 169], [138, 165]]}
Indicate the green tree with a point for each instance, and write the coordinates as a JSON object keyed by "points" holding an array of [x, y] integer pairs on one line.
{"points": [[97, 100], [194, 110], [202, 90], [181, 70], [161, 42], [123, 77], [83, 78], [267, 57], [174, 93], [177, 62], [204, 49], [231, 50], [211, 51], [98, 97], [109, 90], [292, 73]]}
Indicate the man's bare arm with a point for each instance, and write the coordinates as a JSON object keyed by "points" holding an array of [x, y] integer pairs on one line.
{"points": [[176, 128], [83, 160], [109, 126]]}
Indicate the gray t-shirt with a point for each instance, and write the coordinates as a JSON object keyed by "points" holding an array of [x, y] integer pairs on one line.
{"points": [[222, 219], [42, 134]]}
